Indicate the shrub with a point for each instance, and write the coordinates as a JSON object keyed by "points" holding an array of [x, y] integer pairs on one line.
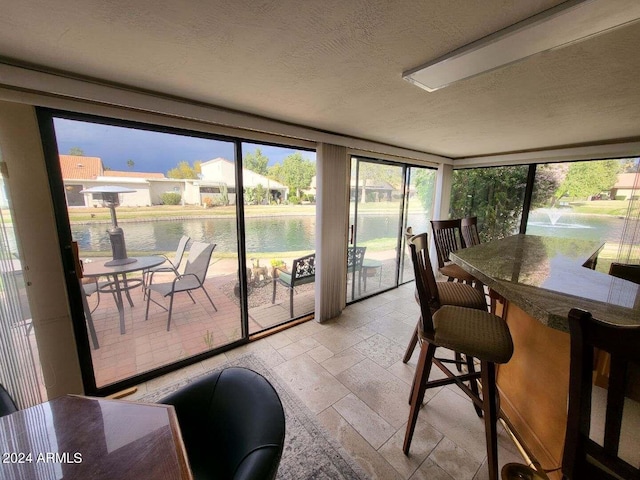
{"points": [[293, 200], [171, 198]]}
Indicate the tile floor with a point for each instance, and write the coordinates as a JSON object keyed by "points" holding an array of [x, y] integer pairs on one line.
{"points": [[348, 371]]}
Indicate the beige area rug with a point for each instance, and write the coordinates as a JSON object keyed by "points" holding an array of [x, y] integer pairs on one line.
{"points": [[309, 452]]}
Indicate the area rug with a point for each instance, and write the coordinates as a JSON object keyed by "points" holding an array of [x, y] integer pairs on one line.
{"points": [[309, 452]]}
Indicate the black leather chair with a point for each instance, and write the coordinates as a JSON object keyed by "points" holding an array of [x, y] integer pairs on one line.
{"points": [[232, 424], [7, 405]]}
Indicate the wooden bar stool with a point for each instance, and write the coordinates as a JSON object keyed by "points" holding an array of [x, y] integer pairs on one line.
{"points": [[583, 457], [447, 236], [448, 293], [475, 333], [469, 227]]}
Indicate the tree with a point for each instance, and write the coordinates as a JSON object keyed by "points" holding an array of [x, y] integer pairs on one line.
{"points": [[130, 164], [256, 162], [380, 172], [588, 178], [495, 195], [295, 172], [424, 181], [184, 170], [76, 151]]}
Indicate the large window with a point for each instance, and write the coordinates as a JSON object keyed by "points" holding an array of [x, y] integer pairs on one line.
{"points": [[280, 226], [495, 195], [592, 200], [589, 200], [133, 195], [385, 199]]}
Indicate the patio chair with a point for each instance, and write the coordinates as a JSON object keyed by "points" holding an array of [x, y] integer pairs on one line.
{"points": [[89, 287], [355, 260], [302, 272], [171, 265], [193, 278]]}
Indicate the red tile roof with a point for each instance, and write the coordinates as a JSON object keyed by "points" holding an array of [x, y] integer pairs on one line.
{"points": [[80, 167], [116, 173]]}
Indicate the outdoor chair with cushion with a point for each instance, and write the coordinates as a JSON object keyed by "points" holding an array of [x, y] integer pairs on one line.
{"points": [[193, 278], [232, 423], [302, 272]]}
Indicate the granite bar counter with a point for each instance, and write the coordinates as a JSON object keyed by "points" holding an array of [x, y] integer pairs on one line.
{"points": [[538, 280], [545, 277]]}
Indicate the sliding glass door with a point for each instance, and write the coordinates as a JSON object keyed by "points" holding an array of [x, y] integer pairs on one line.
{"points": [[146, 205], [385, 199]]}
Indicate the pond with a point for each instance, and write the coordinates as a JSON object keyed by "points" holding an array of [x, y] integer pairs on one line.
{"points": [[565, 224], [297, 233]]}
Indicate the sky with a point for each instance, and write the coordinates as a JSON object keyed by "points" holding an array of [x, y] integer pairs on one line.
{"points": [[151, 151]]}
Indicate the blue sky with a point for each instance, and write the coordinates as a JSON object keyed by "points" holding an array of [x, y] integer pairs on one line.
{"points": [[150, 151]]}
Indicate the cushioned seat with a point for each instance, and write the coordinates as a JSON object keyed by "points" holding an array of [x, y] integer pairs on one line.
{"points": [[453, 271], [449, 293], [232, 424]]}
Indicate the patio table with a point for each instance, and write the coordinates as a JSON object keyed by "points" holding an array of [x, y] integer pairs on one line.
{"points": [[120, 283]]}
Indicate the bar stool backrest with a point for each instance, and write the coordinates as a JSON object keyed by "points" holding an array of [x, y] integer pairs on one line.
{"points": [[583, 457], [425, 281], [469, 226], [447, 235]]}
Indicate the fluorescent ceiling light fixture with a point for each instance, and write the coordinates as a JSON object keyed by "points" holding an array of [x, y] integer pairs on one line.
{"points": [[562, 25]]}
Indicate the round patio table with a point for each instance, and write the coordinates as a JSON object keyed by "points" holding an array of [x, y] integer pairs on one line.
{"points": [[118, 285]]}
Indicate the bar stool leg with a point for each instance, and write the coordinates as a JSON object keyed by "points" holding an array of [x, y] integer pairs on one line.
{"points": [[412, 345], [473, 383], [489, 406], [423, 369]]}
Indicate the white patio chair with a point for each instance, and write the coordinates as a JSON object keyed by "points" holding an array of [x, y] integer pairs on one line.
{"points": [[194, 275], [169, 265]]}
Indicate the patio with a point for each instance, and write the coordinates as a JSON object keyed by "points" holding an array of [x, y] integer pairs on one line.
{"points": [[195, 327]]}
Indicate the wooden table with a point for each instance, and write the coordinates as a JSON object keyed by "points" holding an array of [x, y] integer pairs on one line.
{"points": [[539, 279], [75, 437]]}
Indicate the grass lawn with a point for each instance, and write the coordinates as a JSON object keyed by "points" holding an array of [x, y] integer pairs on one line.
{"points": [[618, 208]]}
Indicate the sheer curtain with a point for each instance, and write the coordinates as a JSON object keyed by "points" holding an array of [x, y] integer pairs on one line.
{"points": [[17, 352], [629, 249]]}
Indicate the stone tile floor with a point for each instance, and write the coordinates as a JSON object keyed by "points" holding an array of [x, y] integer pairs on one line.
{"points": [[348, 371]]}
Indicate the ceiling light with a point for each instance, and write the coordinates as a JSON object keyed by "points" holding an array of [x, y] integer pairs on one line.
{"points": [[567, 23]]}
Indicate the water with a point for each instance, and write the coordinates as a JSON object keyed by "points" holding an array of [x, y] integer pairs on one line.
{"points": [[566, 224], [292, 233]]}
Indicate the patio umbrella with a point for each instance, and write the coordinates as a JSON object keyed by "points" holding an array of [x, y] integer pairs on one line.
{"points": [[111, 199]]}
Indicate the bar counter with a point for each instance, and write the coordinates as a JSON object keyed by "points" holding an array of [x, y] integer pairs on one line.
{"points": [[538, 280]]}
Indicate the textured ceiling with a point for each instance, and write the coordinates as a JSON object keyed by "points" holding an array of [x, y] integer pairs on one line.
{"points": [[337, 65]]}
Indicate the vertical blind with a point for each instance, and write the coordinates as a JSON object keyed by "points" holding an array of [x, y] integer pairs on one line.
{"points": [[18, 353]]}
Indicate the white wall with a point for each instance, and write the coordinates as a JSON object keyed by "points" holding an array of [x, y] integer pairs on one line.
{"points": [[38, 241]]}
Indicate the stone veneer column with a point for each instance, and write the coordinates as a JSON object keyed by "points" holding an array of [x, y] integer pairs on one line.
{"points": [[332, 210]]}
